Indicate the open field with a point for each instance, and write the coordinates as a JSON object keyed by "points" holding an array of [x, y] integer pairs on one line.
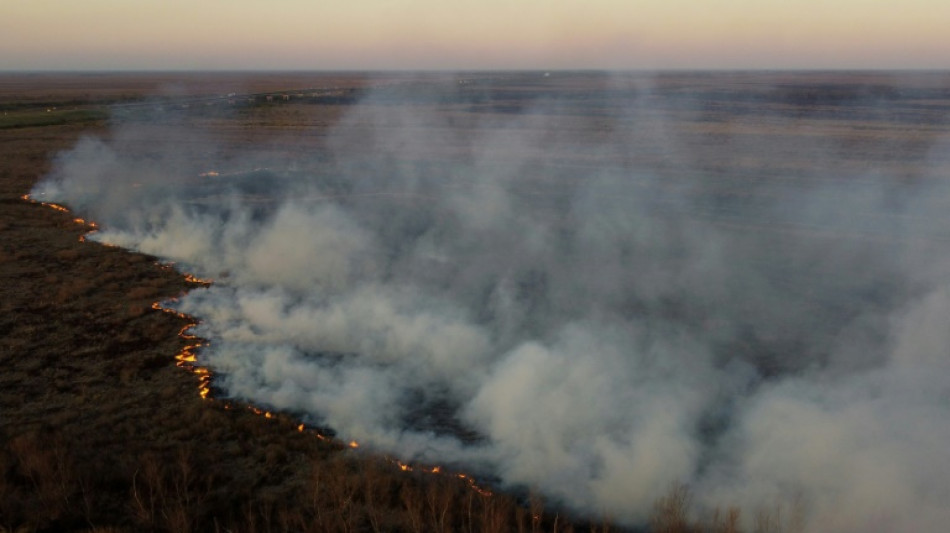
{"points": [[101, 431]]}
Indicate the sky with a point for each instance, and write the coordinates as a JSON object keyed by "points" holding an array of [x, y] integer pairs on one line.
{"points": [[469, 34]]}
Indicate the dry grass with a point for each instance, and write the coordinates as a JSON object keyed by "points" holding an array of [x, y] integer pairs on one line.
{"points": [[672, 513], [101, 432]]}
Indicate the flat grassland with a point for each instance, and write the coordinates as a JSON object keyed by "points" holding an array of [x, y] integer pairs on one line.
{"points": [[101, 431]]}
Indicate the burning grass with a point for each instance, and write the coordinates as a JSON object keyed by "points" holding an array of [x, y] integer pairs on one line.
{"points": [[102, 430], [106, 424]]}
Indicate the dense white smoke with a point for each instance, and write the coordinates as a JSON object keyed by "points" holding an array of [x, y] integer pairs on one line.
{"points": [[596, 312]]}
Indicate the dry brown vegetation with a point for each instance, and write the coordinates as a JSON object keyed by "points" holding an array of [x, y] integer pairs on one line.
{"points": [[100, 431], [673, 513]]}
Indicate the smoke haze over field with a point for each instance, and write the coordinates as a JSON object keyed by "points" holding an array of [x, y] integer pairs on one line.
{"points": [[597, 298]]}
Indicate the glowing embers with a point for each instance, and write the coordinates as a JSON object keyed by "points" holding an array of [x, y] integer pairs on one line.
{"points": [[62, 208], [403, 467], [91, 226], [261, 412], [187, 357], [51, 205], [190, 278], [434, 470], [471, 483], [87, 223]]}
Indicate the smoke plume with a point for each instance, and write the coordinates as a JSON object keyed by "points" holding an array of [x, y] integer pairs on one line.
{"points": [[594, 299]]}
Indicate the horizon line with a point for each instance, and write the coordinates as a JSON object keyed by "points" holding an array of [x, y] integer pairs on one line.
{"points": [[472, 70]]}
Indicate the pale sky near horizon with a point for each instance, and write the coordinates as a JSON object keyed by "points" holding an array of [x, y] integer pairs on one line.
{"points": [[468, 34]]}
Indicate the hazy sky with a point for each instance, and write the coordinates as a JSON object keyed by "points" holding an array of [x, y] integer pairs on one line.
{"points": [[468, 34]]}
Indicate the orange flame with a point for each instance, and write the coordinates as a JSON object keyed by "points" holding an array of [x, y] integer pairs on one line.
{"points": [[187, 358], [57, 207], [78, 220], [190, 278], [84, 222]]}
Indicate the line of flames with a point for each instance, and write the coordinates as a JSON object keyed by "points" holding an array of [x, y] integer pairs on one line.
{"points": [[51, 205], [91, 226], [190, 278], [187, 359]]}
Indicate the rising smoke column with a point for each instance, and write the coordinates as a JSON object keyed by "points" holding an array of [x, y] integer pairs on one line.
{"points": [[590, 311]]}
